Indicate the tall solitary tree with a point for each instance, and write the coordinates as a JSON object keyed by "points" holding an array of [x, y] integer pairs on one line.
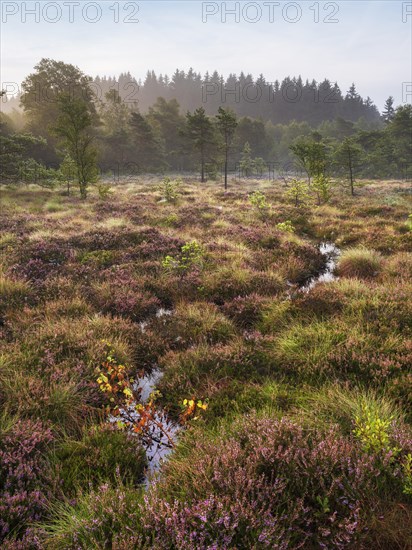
{"points": [[40, 98], [74, 127], [226, 123], [388, 111], [201, 133], [348, 156]]}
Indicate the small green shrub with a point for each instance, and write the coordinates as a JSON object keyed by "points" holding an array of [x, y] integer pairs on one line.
{"points": [[322, 186], [286, 226], [104, 190], [100, 258], [372, 431], [298, 192], [191, 255], [258, 200], [170, 189], [171, 220], [380, 437]]}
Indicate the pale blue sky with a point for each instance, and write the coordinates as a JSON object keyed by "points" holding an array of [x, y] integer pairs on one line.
{"points": [[369, 44]]}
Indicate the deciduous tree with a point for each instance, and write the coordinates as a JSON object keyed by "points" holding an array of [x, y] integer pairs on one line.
{"points": [[75, 130]]}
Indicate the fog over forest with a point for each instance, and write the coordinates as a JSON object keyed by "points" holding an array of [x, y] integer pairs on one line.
{"points": [[277, 101]]}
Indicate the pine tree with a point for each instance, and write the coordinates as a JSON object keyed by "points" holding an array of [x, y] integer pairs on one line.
{"points": [[149, 152], [201, 134], [246, 162], [348, 156], [388, 111], [226, 123]]}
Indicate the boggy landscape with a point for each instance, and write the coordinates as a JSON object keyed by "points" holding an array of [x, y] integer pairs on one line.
{"points": [[284, 395]]}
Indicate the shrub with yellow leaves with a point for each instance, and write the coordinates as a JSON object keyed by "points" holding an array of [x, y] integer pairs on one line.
{"points": [[124, 402], [192, 408]]}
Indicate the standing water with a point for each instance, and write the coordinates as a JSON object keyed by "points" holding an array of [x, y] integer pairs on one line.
{"points": [[157, 451], [331, 252], [160, 446]]}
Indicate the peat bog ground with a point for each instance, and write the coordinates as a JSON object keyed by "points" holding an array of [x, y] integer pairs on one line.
{"points": [[302, 352]]}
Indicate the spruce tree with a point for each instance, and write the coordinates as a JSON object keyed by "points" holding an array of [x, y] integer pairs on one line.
{"points": [[388, 111]]}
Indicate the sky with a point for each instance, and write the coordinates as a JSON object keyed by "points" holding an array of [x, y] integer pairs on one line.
{"points": [[362, 41]]}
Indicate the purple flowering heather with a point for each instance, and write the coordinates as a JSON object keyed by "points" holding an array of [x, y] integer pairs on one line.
{"points": [[271, 485], [24, 483]]}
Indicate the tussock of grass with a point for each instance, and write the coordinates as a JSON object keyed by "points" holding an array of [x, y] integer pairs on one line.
{"points": [[13, 293], [335, 404], [307, 345], [359, 263], [200, 321], [99, 455]]}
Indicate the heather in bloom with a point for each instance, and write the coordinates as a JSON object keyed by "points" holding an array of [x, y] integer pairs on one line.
{"points": [[121, 294], [264, 483], [25, 482]]}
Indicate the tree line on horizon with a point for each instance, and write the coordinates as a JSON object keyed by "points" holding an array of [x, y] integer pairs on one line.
{"points": [[279, 101], [66, 125]]}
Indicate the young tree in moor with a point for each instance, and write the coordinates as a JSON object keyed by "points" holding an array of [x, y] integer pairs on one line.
{"points": [[74, 127], [200, 131], [226, 123]]}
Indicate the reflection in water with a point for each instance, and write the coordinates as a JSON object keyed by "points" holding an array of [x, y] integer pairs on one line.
{"points": [[331, 252], [157, 451], [160, 446]]}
